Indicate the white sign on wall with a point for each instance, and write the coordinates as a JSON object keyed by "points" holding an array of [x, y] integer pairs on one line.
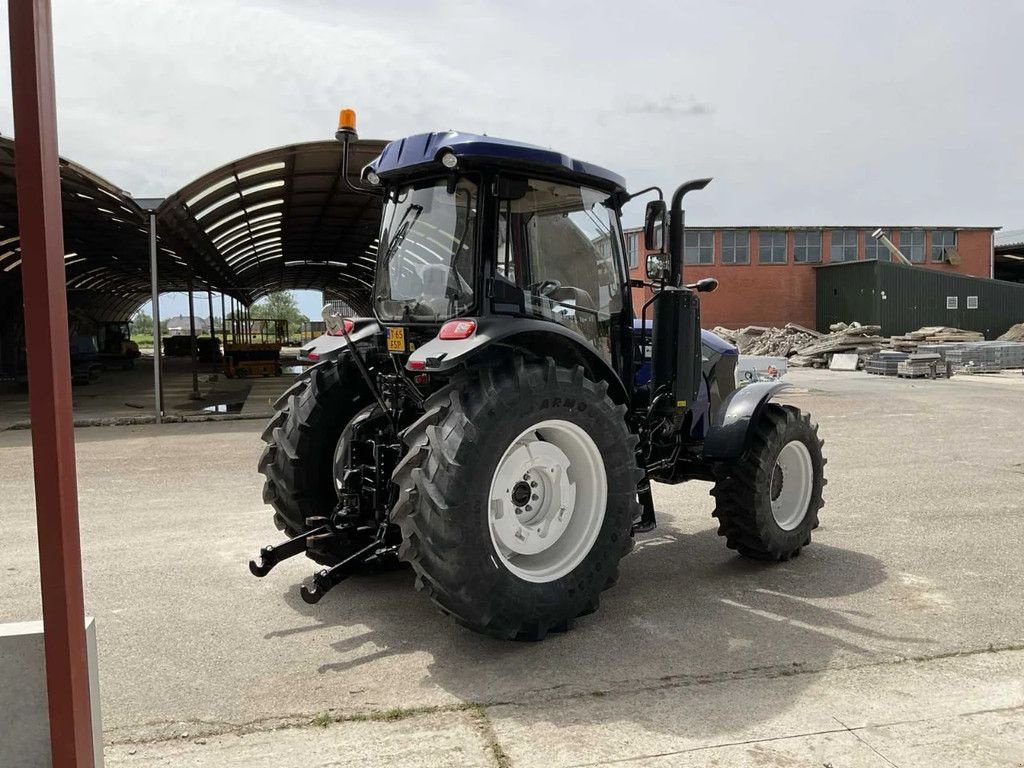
{"points": [[972, 302], [952, 302]]}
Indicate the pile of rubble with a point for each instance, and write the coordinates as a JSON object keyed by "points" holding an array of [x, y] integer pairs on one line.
{"points": [[1016, 333], [773, 342], [805, 347]]}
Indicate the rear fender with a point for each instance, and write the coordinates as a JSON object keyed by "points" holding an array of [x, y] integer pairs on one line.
{"points": [[330, 347], [732, 424], [539, 337]]}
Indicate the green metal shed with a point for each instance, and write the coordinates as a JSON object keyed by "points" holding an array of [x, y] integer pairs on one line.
{"points": [[904, 298]]}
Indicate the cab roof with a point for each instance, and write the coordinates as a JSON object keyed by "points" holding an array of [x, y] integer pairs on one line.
{"points": [[424, 150]]}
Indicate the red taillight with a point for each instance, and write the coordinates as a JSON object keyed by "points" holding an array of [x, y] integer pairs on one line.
{"points": [[457, 329], [416, 365], [313, 356], [349, 325]]}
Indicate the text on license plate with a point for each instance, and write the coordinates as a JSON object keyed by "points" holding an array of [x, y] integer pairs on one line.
{"points": [[396, 339]]}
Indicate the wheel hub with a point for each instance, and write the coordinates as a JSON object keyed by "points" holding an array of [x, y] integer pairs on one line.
{"points": [[547, 500], [521, 494], [792, 483]]}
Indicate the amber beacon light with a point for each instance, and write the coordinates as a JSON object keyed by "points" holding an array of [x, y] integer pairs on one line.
{"points": [[346, 124]]}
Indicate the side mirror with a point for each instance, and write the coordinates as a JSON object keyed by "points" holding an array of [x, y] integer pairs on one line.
{"points": [[704, 285], [657, 266], [654, 226]]}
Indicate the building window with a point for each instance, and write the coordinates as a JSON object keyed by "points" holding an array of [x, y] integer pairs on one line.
{"points": [[912, 244], [942, 240], [844, 245], [873, 249], [736, 246], [699, 247], [633, 249], [806, 247], [771, 248]]}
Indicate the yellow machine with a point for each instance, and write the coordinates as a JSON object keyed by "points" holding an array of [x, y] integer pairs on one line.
{"points": [[246, 360]]}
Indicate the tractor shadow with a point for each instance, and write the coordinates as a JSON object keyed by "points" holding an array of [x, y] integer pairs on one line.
{"points": [[685, 612]]}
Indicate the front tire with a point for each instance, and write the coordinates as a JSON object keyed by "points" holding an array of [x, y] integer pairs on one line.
{"points": [[493, 466], [767, 502]]}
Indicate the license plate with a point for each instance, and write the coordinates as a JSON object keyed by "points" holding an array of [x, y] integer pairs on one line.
{"points": [[396, 339]]}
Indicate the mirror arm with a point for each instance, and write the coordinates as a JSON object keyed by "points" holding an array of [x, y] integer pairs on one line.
{"points": [[661, 195]]}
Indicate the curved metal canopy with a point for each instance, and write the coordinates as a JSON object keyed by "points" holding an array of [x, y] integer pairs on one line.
{"points": [[284, 219], [106, 239], [275, 220]]}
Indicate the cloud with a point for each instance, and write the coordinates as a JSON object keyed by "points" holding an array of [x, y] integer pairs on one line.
{"points": [[803, 112], [670, 106]]}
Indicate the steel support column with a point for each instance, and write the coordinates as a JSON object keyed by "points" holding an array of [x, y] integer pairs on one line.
{"points": [[158, 388], [49, 374], [194, 342], [213, 328]]}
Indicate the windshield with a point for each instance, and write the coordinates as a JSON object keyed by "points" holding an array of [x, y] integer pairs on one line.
{"points": [[425, 264]]}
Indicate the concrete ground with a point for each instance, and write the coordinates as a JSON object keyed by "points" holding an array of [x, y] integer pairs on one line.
{"points": [[120, 396], [895, 639]]}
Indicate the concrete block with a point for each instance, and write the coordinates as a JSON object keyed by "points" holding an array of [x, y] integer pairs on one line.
{"points": [[843, 361], [25, 721]]}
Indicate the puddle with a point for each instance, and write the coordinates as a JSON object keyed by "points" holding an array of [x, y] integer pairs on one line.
{"points": [[230, 401]]}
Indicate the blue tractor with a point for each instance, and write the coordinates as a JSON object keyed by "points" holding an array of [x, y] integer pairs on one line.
{"points": [[498, 422]]}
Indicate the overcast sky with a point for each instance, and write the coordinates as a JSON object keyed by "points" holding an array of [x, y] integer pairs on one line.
{"points": [[804, 112]]}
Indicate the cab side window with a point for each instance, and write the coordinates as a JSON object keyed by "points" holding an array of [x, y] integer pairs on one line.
{"points": [[558, 244]]}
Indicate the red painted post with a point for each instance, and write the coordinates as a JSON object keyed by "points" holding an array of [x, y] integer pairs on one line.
{"points": [[49, 371]]}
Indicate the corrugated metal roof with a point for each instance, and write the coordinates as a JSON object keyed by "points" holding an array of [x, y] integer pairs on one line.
{"points": [[106, 239], [815, 228], [284, 219], [1009, 237]]}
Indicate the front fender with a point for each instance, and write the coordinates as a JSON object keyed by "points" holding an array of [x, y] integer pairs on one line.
{"points": [[735, 418], [444, 355]]}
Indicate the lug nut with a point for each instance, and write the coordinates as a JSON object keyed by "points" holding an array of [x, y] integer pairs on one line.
{"points": [[534, 497], [519, 511], [529, 508], [526, 477], [533, 484]]}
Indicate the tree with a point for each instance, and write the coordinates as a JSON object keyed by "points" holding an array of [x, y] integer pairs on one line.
{"points": [[280, 305], [142, 324]]}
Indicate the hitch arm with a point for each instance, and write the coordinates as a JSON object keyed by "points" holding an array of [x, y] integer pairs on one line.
{"points": [[270, 555], [326, 579]]}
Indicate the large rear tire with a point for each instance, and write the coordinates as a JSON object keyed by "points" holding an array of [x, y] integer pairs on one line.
{"points": [[767, 502], [298, 460], [517, 496]]}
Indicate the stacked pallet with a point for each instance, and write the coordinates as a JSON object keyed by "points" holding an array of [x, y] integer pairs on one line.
{"points": [[884, 362], [920, 365], [987, 356], [933, 334]]}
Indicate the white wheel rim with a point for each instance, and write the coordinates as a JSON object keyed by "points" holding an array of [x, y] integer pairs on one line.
{"points": [[547, 501], [792, 481]]}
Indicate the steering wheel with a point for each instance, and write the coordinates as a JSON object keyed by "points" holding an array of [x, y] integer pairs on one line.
{"points": [[546, 287]]}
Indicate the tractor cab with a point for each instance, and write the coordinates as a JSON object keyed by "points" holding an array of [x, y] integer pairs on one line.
{"points": [[489, 230]]}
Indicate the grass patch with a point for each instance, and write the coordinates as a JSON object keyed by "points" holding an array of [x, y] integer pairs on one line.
{"points": [[322, 720]]}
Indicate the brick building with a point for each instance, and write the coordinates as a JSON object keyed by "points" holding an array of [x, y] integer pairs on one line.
{"points": [[766, 274]]}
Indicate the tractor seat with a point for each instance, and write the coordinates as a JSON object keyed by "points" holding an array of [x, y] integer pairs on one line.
{"points": [[585, 322]]}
